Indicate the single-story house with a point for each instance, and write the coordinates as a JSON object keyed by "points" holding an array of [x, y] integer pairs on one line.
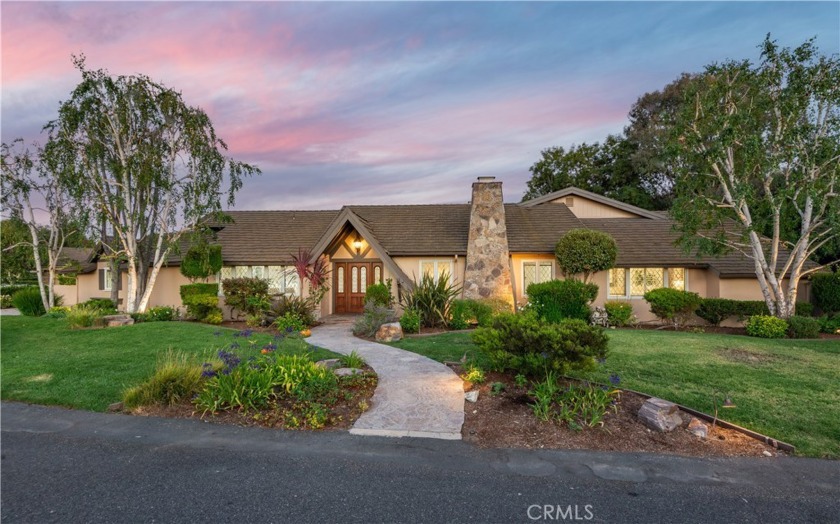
{"points": [[488, 247]]}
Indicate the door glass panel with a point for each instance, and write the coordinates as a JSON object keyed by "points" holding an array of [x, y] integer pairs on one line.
{"points": [[354, 280], [377, 274], [363, 279], [340, 284]]}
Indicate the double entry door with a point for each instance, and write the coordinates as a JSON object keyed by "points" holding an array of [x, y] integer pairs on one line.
{"points": [[350, 280]]}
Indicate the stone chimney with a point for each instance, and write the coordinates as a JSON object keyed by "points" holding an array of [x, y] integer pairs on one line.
{"points": [[487, 273]]}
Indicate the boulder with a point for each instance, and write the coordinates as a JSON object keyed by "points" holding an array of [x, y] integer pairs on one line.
{"points": [[390, 332], [116, 406], [346, 372], [697, 428], [330, 363], [115, 320], [660, 415], [471, 396]]}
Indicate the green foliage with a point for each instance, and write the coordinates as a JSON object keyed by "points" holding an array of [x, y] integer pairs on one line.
{"points": [[6, 301], [556, 300], [58, 312], [372, 318], [410, 321], [83, 315], [65, 280], [104, 305], [201, 260], [353, 360], [28, 302], [202, 302], [177, 377], [18, 257], [585, 251], [473, 374], [826, 290], [830, 323], [431, 299], [619, 313], [716, 310], [497, 307], [189, 290], [296, 305], [161, 314], [766, 326], [523, 343], [672, 305], [496, 388], [290, 322], [803, 327], [578, 405], [465, 312], [246, 294], [214, 317], [379, 293]]}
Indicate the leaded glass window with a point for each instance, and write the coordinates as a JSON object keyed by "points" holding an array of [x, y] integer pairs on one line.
{"points": [[676, 278], [354, 280], [436, 268], [536, 272], [340, 280], [618, 282], [377, 274], [363, 278]]}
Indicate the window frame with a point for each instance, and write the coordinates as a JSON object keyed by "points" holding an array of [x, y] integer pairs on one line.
{"points": [[107, 276], [627, 296], [437, 262], [536, 262]]}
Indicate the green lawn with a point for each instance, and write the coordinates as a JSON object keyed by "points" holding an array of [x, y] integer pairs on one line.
{"points": [[45, 362], [787, 389]]}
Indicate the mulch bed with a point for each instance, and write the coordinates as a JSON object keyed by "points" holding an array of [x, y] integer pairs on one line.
{"points": [[342, 414], [505, 420]]}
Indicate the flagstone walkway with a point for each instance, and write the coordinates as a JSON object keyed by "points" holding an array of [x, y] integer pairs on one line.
{"points": [[415, 396]]}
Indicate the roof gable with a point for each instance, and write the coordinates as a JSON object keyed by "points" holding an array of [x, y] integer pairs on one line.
{"points": [[574, 191]]}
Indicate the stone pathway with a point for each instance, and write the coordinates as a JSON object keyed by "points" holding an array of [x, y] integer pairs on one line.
{"points": [[9, 312], [415, 397]]}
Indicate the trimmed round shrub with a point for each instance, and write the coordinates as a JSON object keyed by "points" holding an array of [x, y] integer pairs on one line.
{"points": [[672, 305], [826, 290], [28, 302], [619, 313], [556, 300], [766, 326], [246, 294], [585, 251], [380, 294], [465, 312], [410, 321], [201, 261], [803, 327]]}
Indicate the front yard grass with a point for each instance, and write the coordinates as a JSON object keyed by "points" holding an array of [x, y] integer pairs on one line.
{"points": [[787, 389], [45, 362]]}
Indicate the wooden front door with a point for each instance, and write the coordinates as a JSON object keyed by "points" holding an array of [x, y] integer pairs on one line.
{"points": [[350, 280]]}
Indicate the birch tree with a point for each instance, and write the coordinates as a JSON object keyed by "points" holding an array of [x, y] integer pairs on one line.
{"points": [[150, 166], [32, 193], [759, 150]]}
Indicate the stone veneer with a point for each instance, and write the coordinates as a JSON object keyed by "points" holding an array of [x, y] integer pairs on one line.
{"points": [[487, 272]]}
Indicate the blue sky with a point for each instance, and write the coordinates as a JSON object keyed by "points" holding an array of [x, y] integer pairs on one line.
{"points": [[366, 103]]}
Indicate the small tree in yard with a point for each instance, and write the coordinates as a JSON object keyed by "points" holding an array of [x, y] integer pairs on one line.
{"points": [[147, 163], [585, 251], [759, 151], [201, 260]]}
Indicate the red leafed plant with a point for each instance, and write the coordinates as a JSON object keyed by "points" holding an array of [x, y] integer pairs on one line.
{"points": [[316, 273]]}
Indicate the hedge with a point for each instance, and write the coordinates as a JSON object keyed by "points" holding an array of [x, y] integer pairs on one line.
{"points": [[716, 310]]}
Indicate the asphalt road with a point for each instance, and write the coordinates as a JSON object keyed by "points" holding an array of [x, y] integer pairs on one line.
{"points": [[71, 466]]}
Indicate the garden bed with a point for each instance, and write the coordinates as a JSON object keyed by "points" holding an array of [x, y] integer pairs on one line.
{"points": [[506, 420]]}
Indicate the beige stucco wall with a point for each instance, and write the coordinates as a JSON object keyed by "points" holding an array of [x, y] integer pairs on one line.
{"points": [[166, 292], [516, 260], [586, 208], [69, 294]]}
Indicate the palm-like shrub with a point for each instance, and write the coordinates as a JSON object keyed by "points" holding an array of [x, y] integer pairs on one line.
{"points": [[28, 302], [432, 299]]}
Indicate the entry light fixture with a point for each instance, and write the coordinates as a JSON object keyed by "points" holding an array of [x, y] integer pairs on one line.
{"points": [[357, 245]]}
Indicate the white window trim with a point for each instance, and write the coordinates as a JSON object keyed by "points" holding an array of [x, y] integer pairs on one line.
{"points": [[628, 296], [537, 262], [265, 274], [107, 276], [437, 263]]}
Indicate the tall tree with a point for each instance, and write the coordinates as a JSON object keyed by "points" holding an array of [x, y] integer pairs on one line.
{"points": [[149, 164], [29, 179], [18, 264], [756, 144]]}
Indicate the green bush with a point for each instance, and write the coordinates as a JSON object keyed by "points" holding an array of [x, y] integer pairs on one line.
{"points": [[28, 302], [104, 305], [353, 360], [465, 312], [161, 314], [410, 321], [201, 261], [6, 301], [619, 313], [672, 305], [523, 343], [803, 327], [585, 251], [58, 312], [497, 307], [290, 322], [246, 294], [177, 377], [189, 290], [200, 307], [299, 306], [826, 290], [372, 318], [765, 326], [716, 310], [431, 299], [380, 294], [214, 317], [83, 316], [556, 300], [830, 323]]}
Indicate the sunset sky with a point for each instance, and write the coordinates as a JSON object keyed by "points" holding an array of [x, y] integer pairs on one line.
{"points": [[365, 103]]}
